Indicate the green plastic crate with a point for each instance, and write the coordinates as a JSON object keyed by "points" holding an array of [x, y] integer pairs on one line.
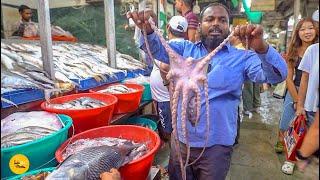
{"points": [[142, 122], [40, 153], [146, 95]]}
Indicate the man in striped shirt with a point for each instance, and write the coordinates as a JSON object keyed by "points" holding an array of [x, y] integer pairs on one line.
{"points": [[184, 7]]}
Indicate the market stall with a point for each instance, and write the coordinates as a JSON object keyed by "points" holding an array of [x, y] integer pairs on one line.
{"points": [[59, 78]]}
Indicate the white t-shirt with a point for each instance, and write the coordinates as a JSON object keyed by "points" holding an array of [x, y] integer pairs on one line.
{"points": [[159, 92], [310, 64]]}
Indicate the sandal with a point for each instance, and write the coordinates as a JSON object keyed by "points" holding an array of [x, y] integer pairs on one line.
{"points": [[288, 167], [278, 147]]}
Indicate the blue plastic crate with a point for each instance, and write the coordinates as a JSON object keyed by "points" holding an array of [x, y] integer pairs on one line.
{"points": [[135, 73], [90, 83], [22, 96]]}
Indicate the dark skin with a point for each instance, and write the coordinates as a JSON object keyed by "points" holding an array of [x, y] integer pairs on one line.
{"points": [[26, 15], [215, 17]]}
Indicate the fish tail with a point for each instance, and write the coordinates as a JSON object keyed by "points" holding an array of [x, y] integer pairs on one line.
{"points": [[48, 92]]}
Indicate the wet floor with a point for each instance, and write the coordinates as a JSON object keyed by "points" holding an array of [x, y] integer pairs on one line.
{"points": [[254, 157]]}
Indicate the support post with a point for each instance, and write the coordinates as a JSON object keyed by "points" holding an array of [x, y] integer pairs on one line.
{"points": [[296, 11], [110, 31], [45, 37]]}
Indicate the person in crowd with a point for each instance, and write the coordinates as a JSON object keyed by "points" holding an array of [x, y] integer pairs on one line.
{"points": [[308, 94], [309, 146], [227, 71], [251, 98], [184, 7], [309, 86], [25, 23], [26, 28], [304, 34], [177, 28]]}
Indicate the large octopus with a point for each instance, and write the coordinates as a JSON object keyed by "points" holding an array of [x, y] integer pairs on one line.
{"points": [[187, 77]]}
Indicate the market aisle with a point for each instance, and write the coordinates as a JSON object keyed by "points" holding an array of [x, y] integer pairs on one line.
{"points": [[254, 157]]}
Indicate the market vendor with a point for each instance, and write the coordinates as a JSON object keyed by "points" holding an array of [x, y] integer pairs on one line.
{"points": [[25, 27], [227, 72]]}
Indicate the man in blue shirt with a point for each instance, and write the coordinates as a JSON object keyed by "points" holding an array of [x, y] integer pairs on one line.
{"points": [[227, 71]]}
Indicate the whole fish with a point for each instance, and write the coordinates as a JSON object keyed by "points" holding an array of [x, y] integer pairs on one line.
{"points": [[117, 89], [89, 163], [79, 103]]}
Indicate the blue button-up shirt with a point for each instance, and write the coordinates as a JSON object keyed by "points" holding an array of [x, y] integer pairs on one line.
{"points": [[228, 69]]}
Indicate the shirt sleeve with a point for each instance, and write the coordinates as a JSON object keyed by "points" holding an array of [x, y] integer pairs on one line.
{"points": [[305, 64], [157, 50], [266, 68], [193, 22]]}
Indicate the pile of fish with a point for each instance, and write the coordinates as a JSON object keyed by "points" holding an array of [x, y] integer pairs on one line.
{"points": [[140, 79], [88, 158], [23, 127], [22, 61], [127, 62], [118, 89], [79, 103]]}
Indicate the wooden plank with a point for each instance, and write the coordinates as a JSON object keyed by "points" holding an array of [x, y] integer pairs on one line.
{"points": [[45, 37], [110, 31]]}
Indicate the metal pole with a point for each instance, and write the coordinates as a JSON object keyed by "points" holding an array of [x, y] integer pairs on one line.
{"points": [[45, 37], [110, 31], [296, 11]]}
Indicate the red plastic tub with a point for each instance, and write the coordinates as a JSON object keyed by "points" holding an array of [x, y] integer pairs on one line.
{"points": [[84, 119], [127, 102], [135, 170]]}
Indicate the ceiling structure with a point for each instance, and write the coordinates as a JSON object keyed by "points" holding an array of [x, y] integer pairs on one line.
{"points": [[283, 11]]}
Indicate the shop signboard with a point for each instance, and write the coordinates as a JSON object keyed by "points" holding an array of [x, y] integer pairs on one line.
{"points": [[263, 5]]}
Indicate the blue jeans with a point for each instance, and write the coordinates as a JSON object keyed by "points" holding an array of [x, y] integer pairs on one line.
{"points": [[288, 112]]}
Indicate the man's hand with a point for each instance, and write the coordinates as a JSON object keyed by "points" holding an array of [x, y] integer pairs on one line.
{"points": [[112, 175], [254, 33], [141, 19]]}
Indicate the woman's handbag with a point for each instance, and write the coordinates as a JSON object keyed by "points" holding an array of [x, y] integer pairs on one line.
{"points": [[293, 137]]}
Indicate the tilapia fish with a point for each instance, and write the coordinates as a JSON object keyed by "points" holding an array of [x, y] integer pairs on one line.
{"points": [[81, 144], [118, 89], [91, 162], [79, 103]]}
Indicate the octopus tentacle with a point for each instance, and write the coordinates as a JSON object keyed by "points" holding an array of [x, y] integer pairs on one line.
{"points": [[184, 122], [175, 97], [206, 90], [207, 58], [172, 54]]}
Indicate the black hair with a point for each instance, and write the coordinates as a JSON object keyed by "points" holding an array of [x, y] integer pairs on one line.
{"points": [[176, 33], [215, 4], [189, 3], [22, 8]]}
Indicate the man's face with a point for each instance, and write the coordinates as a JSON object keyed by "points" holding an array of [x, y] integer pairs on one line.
{"points": [[178, 5], [26, 14], [214, 26]]}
